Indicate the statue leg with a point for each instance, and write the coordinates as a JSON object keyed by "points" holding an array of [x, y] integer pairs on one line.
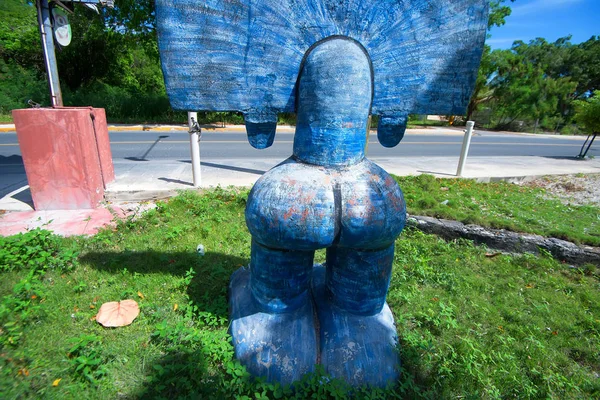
{"points": [[358, 340], [272, 314]]}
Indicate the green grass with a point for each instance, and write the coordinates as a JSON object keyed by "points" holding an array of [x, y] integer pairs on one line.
{"points": [[469, 325], [501, 205]]}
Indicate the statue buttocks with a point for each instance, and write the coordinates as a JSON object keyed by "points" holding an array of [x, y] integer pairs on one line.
{"points": [[309, 207]]}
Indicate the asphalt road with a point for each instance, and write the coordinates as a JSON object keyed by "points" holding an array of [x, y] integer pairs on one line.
{"points": [[174, 145]]}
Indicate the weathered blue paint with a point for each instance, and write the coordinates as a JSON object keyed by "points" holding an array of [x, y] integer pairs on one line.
{"points": [[362, 349], [279, 346], [308, 207], [326, 196], [280, 279], [390, 130], [358, 280], [373, 211], [261, 128], [245, 55], [293, 206], [334, 62], [333, 110]]}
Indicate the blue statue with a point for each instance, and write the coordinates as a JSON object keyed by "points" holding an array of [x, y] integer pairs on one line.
{"points": [[334, 63]]}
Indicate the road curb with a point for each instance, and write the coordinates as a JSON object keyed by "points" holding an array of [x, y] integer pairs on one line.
{"points": [[141, 195], [506, 240], [511, 179], [117, 196]]}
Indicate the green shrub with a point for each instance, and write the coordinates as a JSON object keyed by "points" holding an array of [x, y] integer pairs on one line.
{"points": [[18, 85], [36, 249]]}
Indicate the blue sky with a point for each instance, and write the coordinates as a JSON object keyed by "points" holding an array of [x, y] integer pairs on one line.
{"points": [[549, 19]]}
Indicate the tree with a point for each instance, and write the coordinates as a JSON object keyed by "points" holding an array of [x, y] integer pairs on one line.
{"points": [[135, 17], [481, 92], [583, 65], [536, 82], [587, 113], [112, 59], [498, 13], [22, 75], [19, 37], [115, 47], [527, 83], [549, 83]]}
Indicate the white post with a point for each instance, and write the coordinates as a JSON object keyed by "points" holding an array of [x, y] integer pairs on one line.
{"points": [[195, 146], [465, 147]]}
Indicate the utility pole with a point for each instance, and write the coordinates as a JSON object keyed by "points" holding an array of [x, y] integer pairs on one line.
{"points": [[47, 35]]}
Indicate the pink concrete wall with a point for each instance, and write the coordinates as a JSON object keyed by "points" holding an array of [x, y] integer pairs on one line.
{"points": [[66, 153]]}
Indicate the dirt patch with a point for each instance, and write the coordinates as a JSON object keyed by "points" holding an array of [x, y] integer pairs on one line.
{"points": [[581, 189]]}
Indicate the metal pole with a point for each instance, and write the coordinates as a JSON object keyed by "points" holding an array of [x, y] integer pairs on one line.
{"points": [[46, 34], [582, 154], [465, 147], [195, 134]]}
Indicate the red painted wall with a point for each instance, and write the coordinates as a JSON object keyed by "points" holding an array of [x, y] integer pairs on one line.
{"points": [[67, 157]]}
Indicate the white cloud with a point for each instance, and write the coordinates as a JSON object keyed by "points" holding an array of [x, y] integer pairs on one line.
{"points": [[540, 5]]}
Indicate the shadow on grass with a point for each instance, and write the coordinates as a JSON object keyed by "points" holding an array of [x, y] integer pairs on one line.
{"points": [[177, 375], [183, 371], [416, 381], [212, 271]]}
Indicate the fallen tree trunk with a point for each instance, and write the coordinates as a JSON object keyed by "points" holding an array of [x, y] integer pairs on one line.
{"points": [[503, 240]]}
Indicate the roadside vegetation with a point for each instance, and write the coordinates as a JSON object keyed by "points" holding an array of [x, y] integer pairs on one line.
{"points": [[501, 205], [470, 325]]}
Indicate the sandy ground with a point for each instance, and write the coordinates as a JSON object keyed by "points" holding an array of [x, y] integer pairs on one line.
{"points": [[577, 189]]}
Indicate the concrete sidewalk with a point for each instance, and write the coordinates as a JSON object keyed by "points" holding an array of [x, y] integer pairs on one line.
{"points": [[142, 181], [150, 180], [156, 179]]}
